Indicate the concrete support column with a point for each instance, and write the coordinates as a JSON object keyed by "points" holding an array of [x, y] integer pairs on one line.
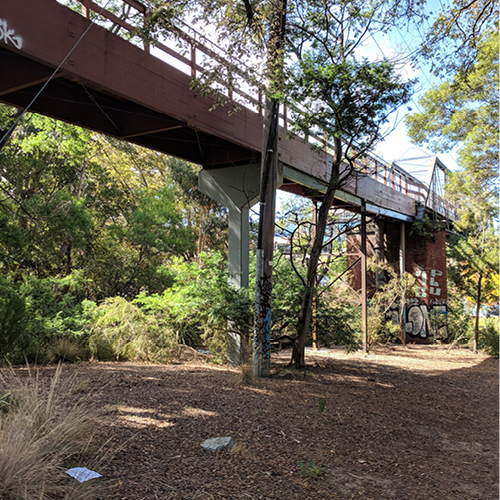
{"points": [[236, 188], [238, 244], [238, 267]]}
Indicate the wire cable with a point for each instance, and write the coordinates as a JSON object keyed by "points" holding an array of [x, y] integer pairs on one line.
{"points": [[13, 126]]}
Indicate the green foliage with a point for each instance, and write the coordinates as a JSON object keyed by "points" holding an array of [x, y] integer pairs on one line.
{"points": [[311, 469], [321, 404], [424, 229], [463, 112], [201, 303], [335, 318], [195, 310], [452, 42], [122, 331], [460, 324], [53, 311], [344, 97], [489, 337], [12, 321], [7, 402]]}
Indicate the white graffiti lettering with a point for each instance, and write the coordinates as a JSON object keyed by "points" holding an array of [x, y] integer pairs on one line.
{"points": [[435, 302], [8, 35], [423, 321], [430, 287]]}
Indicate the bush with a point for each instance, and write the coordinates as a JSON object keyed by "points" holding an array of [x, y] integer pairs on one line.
{"points": [[40, 438], [488, 334], [53, 311], [12, 322], [198, 308], [123, 331]]}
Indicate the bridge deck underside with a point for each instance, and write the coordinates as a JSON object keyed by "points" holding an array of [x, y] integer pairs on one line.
{"points": [[79, 103]]}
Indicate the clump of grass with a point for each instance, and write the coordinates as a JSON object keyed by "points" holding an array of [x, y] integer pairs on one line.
{"points": [[321, 404], [40, 438], [66, 350]]}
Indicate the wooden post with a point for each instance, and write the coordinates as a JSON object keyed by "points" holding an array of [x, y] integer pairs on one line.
{"points": [[269, 169], [86, 8], [145, 41], [193, 61], [402, 266], [379, 249]]}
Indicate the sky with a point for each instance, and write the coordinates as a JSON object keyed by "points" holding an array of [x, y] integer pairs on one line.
{"points": [[397, 145]]}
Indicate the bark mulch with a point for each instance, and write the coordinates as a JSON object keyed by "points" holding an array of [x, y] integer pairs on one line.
{"points": [[414, 423]]}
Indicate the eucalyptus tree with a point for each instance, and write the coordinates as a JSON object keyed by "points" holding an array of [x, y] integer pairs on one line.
{"points": [[345, 97]]}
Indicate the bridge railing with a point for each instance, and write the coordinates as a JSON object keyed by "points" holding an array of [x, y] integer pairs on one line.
{"points": [[193, 53]]}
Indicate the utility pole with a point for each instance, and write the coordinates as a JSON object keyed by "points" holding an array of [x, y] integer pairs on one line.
{"points": [[364, 298], [265, 244], [314, 304], [269, 168]]}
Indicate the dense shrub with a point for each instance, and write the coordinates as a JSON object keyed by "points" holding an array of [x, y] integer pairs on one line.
{"points": [[122, 331], [489, 338], [12, 321], [53, 311], [200, 305]]}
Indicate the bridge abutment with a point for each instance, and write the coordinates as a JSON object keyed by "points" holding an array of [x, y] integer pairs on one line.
{"points": [[422, 256]]}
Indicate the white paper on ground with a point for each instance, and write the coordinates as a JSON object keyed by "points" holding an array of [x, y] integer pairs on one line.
{"points": [[82, 474]]}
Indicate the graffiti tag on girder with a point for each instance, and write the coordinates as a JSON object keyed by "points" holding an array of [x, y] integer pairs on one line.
{"points": [[8, 35]]}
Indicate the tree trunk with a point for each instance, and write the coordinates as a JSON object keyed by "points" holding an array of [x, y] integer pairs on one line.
{"points": [[478, 306], [305, 313]]}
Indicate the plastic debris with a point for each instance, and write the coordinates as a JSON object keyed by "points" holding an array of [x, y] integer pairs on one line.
{"points": [[82, 474]]}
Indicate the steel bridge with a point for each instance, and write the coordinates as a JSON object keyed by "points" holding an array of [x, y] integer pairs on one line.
{"points": [[108, 79]]}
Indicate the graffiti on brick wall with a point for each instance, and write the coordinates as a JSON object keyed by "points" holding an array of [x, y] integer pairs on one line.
{"points": [[424, 321], [429, 284]]}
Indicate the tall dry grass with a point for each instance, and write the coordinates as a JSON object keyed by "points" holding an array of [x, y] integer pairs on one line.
{"points": [[41, 436]]}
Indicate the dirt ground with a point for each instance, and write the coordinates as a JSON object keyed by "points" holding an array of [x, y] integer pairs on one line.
{"points": [[415, 423]]}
